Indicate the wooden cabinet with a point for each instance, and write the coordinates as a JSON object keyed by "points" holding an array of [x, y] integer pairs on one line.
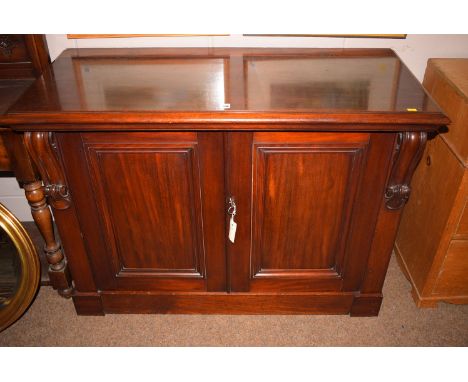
{"points": [[432, 242], [143, 176]]}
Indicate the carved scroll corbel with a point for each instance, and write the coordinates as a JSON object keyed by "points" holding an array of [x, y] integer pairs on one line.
{"points": [[408, 152], [51, 191], [43, 151]]}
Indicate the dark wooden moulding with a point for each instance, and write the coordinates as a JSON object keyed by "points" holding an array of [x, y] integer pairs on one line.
{"points": [[140, 196]]}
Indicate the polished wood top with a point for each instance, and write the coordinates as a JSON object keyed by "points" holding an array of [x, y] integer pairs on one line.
{"points": [[226, 85], [10, 90]]}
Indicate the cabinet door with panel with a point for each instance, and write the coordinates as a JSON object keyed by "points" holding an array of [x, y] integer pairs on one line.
{"points": [[307, 205], [149, 206]]}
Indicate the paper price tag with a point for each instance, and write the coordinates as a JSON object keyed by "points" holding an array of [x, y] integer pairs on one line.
{"points": [[232, 229]]}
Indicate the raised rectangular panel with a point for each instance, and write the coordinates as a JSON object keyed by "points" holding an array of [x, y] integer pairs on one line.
{"points": [[304, 187], [152, 218]]}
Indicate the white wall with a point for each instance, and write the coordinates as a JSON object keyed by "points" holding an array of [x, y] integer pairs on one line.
{"points": [[12, 197], [414, 51]]}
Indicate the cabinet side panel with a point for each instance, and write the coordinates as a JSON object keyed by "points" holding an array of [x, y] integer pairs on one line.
{"points": [[68, 223], [408, 152], [367, 207]]}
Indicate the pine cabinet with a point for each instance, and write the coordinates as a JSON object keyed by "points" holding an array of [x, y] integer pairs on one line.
{"points": [[434, 253], [224, 180]]}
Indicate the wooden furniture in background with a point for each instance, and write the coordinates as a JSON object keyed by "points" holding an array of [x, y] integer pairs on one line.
{"points": [[22, 60], [432, 242], [23, 57], [141, 152]]}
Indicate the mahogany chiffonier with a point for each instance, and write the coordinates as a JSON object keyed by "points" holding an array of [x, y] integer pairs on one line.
{"points": [[432, 242], [222, 180]]}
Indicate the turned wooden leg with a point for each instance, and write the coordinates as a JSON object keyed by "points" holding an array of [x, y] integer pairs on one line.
{"points": [[58, 270]]}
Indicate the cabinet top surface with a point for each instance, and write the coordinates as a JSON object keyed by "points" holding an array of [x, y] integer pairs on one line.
{"points": [[207, 85], [10, 90]]}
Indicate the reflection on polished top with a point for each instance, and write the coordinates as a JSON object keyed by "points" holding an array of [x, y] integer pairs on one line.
{"points": [[10, 90], [149, 85]]}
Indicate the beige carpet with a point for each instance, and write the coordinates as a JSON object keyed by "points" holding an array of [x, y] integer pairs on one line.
{"points": [[52, 321]]}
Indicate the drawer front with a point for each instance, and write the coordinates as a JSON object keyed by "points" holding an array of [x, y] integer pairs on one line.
{"points": [[453, 276], [462, 229]]}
